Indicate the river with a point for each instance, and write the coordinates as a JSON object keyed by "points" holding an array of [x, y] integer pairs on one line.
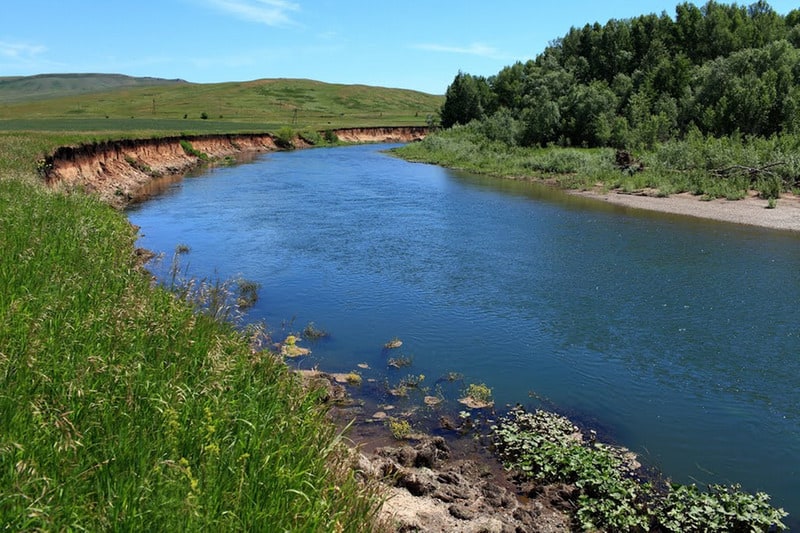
{"points": [[676, 337]]}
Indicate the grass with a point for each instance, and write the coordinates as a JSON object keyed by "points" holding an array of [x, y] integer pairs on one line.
{"points": [[121, 407], [230, 107]]}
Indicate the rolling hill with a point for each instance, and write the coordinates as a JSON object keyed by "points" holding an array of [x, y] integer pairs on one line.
{"points": [[45, 86], [100, 103]]}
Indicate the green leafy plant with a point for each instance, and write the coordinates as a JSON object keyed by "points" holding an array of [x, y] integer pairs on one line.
{"points": [[399, 428], [720, 508], [550, 449], [331, 137]]}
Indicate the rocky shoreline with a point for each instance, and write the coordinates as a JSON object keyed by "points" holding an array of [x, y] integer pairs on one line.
{"points": [[436, 483]]}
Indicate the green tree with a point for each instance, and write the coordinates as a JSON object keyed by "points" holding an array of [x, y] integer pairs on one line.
{"points": [[466, 99]]}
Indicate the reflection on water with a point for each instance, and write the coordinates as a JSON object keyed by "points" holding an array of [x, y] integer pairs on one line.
{"points": [[676, 335]]}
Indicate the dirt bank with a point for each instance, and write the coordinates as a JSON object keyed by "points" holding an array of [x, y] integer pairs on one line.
{"points": [[117, 170]]}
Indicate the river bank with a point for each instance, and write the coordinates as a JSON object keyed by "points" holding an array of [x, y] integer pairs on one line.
{"points": [[752, 210], [118, 170]]}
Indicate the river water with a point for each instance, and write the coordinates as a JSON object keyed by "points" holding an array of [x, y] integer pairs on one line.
{"points": [[677, 337]]}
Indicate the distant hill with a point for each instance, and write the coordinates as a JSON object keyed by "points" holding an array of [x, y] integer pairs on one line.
{"points": [[44, 86], [101, 103]]}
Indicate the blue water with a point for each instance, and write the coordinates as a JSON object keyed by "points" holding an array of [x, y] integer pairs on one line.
{"points": [[679, 337]]}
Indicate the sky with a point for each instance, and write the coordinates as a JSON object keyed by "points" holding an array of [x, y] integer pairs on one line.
{"points": [[414, 44]]}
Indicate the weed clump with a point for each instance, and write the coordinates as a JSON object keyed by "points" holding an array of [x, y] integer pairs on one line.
{"points": [[477, 396]]}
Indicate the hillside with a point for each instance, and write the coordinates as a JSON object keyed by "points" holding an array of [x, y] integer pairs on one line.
{"points": [[44, 86], [228, 107]]}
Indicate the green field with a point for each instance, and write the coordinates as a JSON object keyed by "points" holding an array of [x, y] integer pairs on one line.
{"points": [[260, 105]]}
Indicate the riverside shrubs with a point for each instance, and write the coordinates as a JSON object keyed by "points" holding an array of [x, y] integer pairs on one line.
{"points": [[706, 166]]}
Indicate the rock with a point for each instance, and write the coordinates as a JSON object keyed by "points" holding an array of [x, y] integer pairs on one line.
{"points": [[473, 403], [415, 483], [432, 401], [392, 344], [461, 511], [445, 422]]}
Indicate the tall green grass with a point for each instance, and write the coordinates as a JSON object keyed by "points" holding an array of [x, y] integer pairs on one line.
{"points": [[121, 408]]}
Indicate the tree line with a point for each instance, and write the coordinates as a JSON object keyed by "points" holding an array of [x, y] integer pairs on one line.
{"points": [[718, 69]]}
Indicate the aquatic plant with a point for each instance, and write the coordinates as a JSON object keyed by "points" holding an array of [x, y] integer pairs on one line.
{"points": [[399, 428], [312, 332], [480, 393], [354, 378], [399, 361]]}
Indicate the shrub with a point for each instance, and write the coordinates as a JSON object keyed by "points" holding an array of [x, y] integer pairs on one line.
{"points": [[191, 150], [331, 137], [284, 138]]}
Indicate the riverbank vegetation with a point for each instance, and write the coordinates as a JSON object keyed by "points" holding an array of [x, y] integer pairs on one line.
{"points": [[705, 102], [123, 408], [608, 494]]}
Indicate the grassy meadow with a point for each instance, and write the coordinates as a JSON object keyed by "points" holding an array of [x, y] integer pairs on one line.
{"points": [[253, 106], [123, 406]]}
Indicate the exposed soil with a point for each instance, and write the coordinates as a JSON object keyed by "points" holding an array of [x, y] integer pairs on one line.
{"points": [[119, 172]]}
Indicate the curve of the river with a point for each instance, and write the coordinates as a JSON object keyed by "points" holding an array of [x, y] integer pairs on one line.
{"points": [[679, 337]]}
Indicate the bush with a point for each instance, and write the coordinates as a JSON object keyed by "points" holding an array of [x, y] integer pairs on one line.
{"points": [[284, 138], [331, 137]]}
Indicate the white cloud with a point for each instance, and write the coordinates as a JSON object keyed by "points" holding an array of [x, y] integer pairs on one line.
{"points": [[20, 51], [474, 49], [269, 12]]}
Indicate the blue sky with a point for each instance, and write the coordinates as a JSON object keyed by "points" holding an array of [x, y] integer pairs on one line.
{"points": [[413, 44]]}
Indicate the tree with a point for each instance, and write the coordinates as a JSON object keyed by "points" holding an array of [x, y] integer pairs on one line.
{"points": [[465, 100]]}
